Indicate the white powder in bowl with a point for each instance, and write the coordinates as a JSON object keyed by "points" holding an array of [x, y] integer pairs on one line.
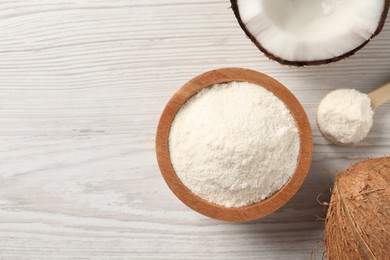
{"points": [[345, 116], [234, 144]]}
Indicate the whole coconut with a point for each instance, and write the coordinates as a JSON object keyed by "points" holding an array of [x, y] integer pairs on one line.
{"points": [[358, 218]]}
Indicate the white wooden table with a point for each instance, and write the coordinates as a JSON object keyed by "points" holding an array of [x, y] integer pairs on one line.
{"points": [[82, 86]]}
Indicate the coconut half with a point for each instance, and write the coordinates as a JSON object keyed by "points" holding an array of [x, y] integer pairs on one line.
{"points": [[310, 32]]}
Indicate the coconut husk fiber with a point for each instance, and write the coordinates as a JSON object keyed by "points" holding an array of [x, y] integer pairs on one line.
{"points": [[358, 218]]}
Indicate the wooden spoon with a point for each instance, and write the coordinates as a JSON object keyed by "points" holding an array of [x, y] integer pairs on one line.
{"points": [[254, 211], [380, 96]]}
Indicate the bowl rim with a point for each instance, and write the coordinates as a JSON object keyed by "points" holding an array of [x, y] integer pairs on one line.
{"points": [[252, 211]]}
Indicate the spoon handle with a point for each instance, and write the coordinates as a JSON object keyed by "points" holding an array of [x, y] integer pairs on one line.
{"points": [[380, 95]]}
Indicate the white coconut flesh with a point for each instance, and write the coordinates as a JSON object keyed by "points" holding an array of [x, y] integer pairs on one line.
{"points": [[309, 30]]}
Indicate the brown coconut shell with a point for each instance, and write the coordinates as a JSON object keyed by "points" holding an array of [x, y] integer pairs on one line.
{"points": [[358, 218], [313, 62]]}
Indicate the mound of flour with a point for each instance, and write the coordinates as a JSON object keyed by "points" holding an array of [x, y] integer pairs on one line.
{"points": [[345, 116], [234, 144]]}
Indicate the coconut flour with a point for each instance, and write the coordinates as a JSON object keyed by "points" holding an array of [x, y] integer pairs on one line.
{"points": [[345, 116], [234, 144]]}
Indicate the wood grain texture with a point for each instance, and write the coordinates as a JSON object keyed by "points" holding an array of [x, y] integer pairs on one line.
{"points": [[82, 86], [253, 211]]}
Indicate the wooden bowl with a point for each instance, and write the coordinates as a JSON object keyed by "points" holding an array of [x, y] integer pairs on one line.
{"points": [[253, 211]]}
